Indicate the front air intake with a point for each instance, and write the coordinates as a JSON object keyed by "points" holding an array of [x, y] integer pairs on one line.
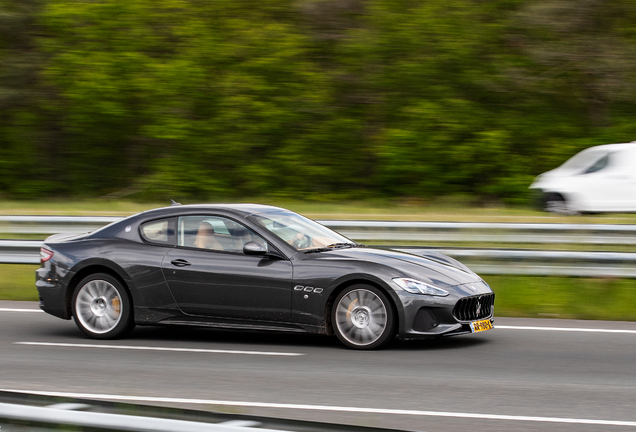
{"points": [[474, 308]]}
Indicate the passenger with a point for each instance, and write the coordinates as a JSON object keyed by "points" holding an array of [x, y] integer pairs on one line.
{"points": [[206, 238]]}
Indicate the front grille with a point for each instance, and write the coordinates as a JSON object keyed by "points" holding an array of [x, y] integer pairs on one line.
{"points": [[474, 308]]}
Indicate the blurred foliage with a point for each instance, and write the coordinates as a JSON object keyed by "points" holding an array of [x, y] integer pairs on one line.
{"points": [[311, 99]]}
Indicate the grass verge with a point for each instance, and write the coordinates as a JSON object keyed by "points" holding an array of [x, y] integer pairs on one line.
{"points": [[564, 297], [17, 282], [449, 209], [516, 296]]}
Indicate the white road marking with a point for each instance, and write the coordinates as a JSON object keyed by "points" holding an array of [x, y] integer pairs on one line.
{"points": [[565, 329], [152, 348], [330, 408], [20, 310]]}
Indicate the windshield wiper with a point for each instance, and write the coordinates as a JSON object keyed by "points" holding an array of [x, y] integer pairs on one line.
{"points": [[334, 246]]}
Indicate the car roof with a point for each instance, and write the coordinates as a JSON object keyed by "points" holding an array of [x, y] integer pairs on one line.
{"points": [[240, 208], [613, 147]]}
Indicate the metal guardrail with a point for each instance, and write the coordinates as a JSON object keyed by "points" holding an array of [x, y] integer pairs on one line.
{"points": [[533, 233], [480, 232], [24, 411], [60, 416], [47, 225], [540, 263], [20, 251], [482, 261]]}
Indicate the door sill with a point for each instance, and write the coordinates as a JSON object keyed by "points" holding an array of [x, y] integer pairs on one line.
{"points": [[233, 326]]}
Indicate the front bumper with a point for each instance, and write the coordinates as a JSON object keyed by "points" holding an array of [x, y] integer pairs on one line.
{"points": [[426, 317]]}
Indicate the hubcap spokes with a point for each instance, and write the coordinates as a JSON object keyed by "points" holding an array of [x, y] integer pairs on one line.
{"points": [[361, 317], [98, 306]]}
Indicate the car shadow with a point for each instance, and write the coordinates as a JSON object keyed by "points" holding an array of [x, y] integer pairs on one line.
{"points": [[248, 339], [292, 340], [443, 343]]}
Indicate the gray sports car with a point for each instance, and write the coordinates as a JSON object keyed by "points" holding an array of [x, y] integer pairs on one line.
{"points": [[247, 266]]}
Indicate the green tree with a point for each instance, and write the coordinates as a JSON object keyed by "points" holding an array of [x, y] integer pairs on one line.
{"points": [[25, 162], [307, 98]]}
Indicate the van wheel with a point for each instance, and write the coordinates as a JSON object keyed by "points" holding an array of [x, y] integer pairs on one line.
{"points": [[556, 203]]}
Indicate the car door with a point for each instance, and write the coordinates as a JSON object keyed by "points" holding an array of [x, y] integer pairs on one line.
{"points": [[216, 279]]}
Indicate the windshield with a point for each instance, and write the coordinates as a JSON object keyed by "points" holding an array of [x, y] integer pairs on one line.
{"points": [[584, 160], [298, 231]]}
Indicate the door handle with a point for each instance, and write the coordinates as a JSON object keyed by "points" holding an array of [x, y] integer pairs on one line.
{"points": [[180, 262]]}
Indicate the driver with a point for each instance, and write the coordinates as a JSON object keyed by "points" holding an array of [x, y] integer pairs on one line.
{"points": [[300, 241], [303, 241]]}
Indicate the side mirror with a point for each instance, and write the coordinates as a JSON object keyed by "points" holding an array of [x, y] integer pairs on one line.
{"points": [[254, 248]]}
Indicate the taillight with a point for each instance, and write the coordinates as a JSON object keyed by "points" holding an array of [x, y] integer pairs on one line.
{"points": [[45, 255]]}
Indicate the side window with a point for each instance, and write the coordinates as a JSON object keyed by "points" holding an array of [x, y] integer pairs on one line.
{"points": [[599, 164], [215, 233], [159, 231]]}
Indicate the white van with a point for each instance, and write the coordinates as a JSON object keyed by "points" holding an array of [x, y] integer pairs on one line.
{"points": [[598, 179]]}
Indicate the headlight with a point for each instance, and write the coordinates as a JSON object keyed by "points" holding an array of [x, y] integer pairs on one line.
{"points": [[417, 287]]}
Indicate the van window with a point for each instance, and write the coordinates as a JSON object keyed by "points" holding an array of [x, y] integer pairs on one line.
{"points": [[584, 159], [599, 164]]}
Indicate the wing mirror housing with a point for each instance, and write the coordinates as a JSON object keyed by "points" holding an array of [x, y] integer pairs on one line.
{"points": [[254, 248]]}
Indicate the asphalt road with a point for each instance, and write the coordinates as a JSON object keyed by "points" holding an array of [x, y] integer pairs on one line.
{"points": [[512, 378]]}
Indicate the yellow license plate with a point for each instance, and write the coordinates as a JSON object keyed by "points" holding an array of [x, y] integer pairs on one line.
{"points": [[479, 326]]}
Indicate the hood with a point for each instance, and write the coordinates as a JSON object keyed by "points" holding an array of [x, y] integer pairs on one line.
{"points": [[549, 178], [433, 271], [439, 257]]}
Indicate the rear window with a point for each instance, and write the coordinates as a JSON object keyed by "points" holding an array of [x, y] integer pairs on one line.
{"points": [[159, 231]]}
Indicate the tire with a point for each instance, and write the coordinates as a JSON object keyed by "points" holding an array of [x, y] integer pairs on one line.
{"points": [[363, 318], [102, 308], [556, 203]]}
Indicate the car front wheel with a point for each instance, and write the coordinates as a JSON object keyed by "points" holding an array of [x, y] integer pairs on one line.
{"points": [[362, 317], [102, 308]]}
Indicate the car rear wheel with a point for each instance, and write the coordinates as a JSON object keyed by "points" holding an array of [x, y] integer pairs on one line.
{"points": [[102, 308], [363, 318]]}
